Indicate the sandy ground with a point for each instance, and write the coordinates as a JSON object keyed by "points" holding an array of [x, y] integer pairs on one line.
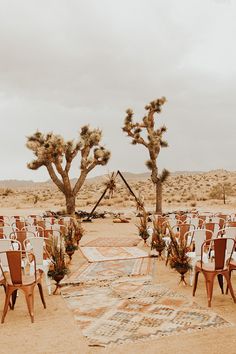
{"points": [[55, 330]]}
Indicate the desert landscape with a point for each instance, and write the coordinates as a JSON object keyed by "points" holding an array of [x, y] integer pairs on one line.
{"points": [[182, 190], [118, 177], [58, 328]]}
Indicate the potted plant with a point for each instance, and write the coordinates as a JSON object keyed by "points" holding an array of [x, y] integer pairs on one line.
{"points": [[144, 230], [70, 241], [158, 243], [58, 269], [177, 255]]}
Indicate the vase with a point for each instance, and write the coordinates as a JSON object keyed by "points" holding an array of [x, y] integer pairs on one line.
{"points": [[160, 250], [57, 278], [144, 236], [182, 271], [70, 254]]}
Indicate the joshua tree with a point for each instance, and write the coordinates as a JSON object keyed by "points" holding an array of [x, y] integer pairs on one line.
{"points": [[153, 142], [57, 155]]}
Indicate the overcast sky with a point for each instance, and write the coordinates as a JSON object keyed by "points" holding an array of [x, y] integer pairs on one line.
{"points": [[67, 63]]}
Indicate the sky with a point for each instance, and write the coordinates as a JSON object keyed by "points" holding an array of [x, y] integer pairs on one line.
{"points": [[67, 63]]}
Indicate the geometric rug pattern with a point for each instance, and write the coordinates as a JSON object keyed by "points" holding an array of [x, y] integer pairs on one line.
{"points": [[109, 270], [113, 242], [98, 254], [133, 309]]}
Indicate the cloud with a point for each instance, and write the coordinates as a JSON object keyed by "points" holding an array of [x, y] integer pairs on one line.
{"points": [[68, 63]]}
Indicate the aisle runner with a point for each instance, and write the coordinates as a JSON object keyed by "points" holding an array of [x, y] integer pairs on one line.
{"points": [[133, 309], [113, 242], [98, 254], [110, 270]]}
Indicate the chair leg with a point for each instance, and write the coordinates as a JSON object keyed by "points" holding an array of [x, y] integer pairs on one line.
{"points": [[229, 285], [195, 282], [221, 282], [14, 296], [7, 303], [5, 289], [41, 294], [209, 287], [227, 288], [29, 296]]}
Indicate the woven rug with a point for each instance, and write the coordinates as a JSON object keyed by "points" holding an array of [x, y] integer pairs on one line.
{"points": [[108, 270], [98, 254], [115, 313], [113, 242]]}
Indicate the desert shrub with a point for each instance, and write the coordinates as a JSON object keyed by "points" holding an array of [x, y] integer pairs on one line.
{"points": [[221, 190], [6, 192]]}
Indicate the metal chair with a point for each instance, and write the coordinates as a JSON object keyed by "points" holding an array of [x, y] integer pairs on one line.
{"points": [[16, 280], [223, 249]]}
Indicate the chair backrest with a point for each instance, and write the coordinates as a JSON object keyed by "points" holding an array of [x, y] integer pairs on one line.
{"points": [[211, 226], [5, 245], [200, 236], [19, 224], [5, 230], [14, 263], [181, 218], [194, 220], [21, 236], [229, 232], [181, 229], [41, 223], [36, 245], [223, 250], [230, 224], [50, 232]]}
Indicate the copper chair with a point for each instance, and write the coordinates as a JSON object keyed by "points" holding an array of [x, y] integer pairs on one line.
{"points": [[15, 280], [181, 229], [222, 247], [211, 226], [21, 236]]}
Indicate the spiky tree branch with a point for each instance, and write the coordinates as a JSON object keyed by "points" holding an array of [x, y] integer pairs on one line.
{"points": [[153, 140], [52, 151]]}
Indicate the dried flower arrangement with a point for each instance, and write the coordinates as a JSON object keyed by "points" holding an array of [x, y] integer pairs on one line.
{"points": [[177, 252], [158, 243], [143, 226], [56, 249]]}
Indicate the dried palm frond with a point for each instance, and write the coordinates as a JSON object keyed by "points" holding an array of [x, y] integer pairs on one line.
{"points": [[110, 184]]}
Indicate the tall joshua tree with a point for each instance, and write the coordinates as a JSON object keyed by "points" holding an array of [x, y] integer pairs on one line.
{"points": [[153, 142], [56, 154]]}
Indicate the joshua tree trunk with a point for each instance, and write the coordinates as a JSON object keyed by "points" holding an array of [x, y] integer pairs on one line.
{"points": [[70, 204], [159, 197]]}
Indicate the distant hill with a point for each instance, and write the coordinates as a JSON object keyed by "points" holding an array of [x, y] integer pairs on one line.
{"points": [[129, 176], [14, 183]]}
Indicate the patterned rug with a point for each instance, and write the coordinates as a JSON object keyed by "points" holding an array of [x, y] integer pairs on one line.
{"points": [[113, 242], [108, 270], [98, 254], [130, 310]]}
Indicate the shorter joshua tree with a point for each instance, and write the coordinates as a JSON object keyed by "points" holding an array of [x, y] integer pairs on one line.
{"points": [[56, 154], [153, 142]]}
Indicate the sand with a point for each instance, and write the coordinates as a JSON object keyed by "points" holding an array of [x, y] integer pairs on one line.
{"points": [[55, 330]]}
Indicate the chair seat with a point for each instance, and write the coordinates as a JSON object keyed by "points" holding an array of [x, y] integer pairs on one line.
{"points": [[209, 267], [26, 279], [233, 263]]}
